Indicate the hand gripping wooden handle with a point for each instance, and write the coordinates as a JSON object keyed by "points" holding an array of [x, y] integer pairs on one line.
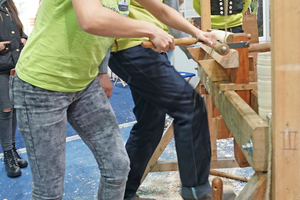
{"points": [[222, 49]]}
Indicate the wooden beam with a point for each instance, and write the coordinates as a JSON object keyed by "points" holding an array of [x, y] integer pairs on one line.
{"points": [[172, 165], [241, 120], [285, 53], [214, 70], [212, 126], [235, 87], [254, 100], [241, 76], [255, 189], [204, 52], [221, 130], [223, 162], [230, 60], [198, 54], [205, 15]]}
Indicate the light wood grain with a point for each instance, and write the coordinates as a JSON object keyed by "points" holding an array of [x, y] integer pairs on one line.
{"points": [[285, 51]]}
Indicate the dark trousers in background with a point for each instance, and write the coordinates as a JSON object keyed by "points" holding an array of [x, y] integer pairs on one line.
{"points": [[236, 29]]}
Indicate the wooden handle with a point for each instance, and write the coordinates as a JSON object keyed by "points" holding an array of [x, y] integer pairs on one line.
{"points": [[187, 41], [260, 47], [217, 188], [222, 49]]}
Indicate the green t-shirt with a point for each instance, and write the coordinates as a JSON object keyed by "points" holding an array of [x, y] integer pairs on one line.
{"points": [[218, 21], [137, 12], [59, 55]]}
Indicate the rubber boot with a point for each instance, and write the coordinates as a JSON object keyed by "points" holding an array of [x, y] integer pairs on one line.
{"points": [[11, 165], [21, 162]]}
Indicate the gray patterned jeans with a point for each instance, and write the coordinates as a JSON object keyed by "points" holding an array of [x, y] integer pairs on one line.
{"points": [[42, 116]]}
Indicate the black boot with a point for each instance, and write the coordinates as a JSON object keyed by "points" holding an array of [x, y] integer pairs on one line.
{"points": [[11, 166], [21, 162]]}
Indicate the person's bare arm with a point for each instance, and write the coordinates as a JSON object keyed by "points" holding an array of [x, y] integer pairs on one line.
{"points": [[173, 19], [106, 84], [94, 18]]}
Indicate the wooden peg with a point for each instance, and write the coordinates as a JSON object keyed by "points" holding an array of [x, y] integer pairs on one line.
{"points": [[217, 188]]}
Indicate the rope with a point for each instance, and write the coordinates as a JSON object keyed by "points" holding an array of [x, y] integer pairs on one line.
{"points": [[226, 14], [268, 189]]}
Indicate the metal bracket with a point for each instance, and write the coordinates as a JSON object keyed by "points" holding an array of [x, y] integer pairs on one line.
{"points": [[236, 45], [248, 147]]}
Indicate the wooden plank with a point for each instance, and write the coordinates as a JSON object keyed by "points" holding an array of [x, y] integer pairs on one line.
{"points": [[165, 166], [172, 165], [239, 155], [214, 70], [205, 15], [255, 189], [205, 52], [251, 69], [223, 163], [198, 54], [222, 131], [250, 27], [254, 100], [241, 120], [200, 88], [212, 126], [235, 87], [239, 76], [230, 60], [285, 53]]}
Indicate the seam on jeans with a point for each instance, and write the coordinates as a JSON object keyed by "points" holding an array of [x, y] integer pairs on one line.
{"points": [[28, 124]]}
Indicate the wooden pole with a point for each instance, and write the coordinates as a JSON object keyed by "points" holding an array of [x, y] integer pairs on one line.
{"points": [[226, 175], [285, 50], [205, 15]]}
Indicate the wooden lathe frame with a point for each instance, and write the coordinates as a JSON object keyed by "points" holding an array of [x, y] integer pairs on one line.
{"points": [[235, 101]]}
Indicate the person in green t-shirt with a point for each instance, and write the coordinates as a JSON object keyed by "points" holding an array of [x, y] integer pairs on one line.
{"points": [[56, 82], [236, 10]]}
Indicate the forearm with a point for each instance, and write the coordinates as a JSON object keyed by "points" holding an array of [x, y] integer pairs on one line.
{"points": [[105, 22], [169, 16]]}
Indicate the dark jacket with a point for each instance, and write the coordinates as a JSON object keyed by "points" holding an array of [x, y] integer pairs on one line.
{"points": [[9, 32]]}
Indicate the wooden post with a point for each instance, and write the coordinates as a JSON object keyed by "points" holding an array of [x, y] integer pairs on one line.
{"points": [[217, 188], [285, 50], [241, 75], [205, 15]]}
